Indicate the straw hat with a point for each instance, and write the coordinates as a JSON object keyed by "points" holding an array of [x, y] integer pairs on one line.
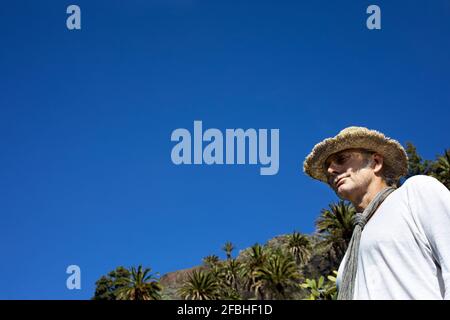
{"points": [[356, 137]]}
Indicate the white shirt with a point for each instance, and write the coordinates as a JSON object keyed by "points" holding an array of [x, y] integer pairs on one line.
{"points": [[404, 251]]}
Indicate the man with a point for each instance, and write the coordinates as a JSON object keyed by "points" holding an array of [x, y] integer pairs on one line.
{"points": [[400, 248]]}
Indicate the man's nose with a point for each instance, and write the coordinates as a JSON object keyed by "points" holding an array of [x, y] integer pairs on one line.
{"points": [[333, 169]]}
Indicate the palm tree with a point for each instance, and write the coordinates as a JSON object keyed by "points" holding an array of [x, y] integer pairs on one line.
{"points": [[232, 272], [277, 276], [335, 226], [141, 285], [229, 276], [201, 285], [300, 247], [210, 261], [255, 260], [441, 169], [228, 248]]}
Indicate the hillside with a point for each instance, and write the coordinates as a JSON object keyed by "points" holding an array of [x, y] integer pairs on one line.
{"points": [[318, 265]]}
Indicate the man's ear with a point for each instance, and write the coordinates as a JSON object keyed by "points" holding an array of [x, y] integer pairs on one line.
{"points": [[378, 162]]}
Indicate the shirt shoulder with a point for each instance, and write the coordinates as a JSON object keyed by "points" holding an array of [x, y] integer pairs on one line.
{"points": [[422, 195], [422, 182], [426, 197]]}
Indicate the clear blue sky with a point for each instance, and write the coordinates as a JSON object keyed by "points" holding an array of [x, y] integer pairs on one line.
{"points": [[86, 176]]}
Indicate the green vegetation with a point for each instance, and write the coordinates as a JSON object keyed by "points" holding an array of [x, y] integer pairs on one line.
{"points": [[124, 284], [293, 266], [200, 285]]}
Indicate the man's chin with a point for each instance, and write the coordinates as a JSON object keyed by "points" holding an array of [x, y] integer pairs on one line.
{"points": [[343, 193]]}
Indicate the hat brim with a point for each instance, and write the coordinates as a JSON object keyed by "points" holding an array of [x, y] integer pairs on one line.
{"points": [[393, 153]]}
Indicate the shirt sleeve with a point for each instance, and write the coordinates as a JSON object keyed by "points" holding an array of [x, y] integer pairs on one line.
{"points": [[430, 202]]}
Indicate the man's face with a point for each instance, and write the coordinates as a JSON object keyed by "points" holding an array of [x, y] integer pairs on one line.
{"points": [[349, 172]]}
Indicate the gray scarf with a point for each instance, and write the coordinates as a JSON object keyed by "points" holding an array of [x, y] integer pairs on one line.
{"points": [[347, 287]]}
